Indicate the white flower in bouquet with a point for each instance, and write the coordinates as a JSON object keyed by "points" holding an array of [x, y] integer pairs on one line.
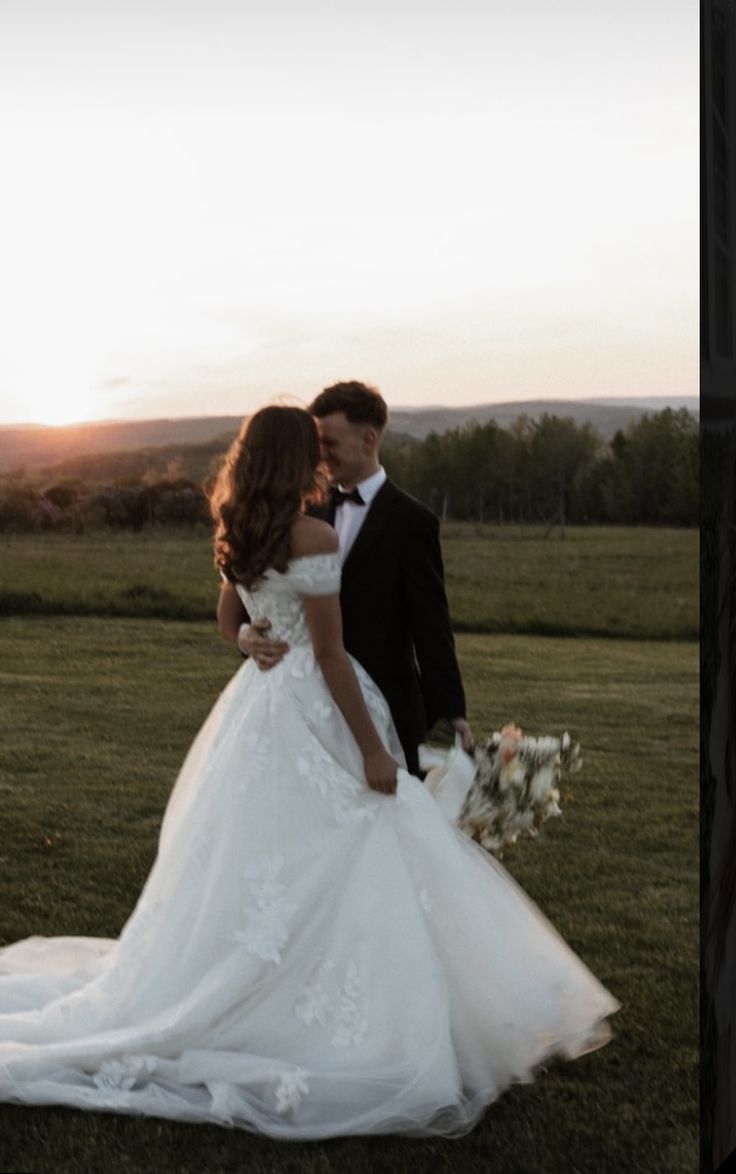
{"points": [[542, 785], [508, 788]]}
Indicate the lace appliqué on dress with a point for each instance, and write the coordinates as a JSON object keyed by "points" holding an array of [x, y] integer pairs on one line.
{"points": [[316, 574], [268, 913], [335, 1007], [349, 802], [320, 712], [123, 1074], [350, 1025], [425, 900], [300, 663], [291, 1087]]}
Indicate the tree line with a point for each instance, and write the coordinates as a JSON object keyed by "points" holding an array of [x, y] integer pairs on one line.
{"points": [[551, 471], [73, 506]]}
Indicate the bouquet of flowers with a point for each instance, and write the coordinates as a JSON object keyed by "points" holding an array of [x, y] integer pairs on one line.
{"points": [[508, 787]]}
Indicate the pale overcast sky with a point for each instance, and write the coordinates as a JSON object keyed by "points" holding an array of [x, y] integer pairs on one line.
{"points": [[208, 203]]}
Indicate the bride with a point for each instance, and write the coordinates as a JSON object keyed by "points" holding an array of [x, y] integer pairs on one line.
{"points": [[316, 951]]}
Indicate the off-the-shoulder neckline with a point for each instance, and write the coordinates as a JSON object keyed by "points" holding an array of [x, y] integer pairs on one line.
{"points": [[301, 558]]}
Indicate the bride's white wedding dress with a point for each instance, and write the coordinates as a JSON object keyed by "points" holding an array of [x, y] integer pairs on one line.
{"points": [[308, 957]]}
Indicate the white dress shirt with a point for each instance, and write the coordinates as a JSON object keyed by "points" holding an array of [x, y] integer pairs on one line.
{"points": [[349, 516]]}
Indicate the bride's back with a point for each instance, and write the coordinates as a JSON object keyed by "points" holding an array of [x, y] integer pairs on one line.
{"points": [[278, 595]]}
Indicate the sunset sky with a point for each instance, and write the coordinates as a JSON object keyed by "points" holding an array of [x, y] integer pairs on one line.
{"points": [[207, 203]]}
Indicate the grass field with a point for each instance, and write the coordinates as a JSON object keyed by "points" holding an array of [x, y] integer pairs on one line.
{"points": [[634, 583], [96, 716]]}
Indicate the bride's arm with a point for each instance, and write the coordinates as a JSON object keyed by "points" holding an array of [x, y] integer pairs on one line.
{"points": [[325, 626], [230, 612], [310, 536]]}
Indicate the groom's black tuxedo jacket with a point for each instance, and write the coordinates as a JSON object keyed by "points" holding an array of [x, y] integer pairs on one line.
{"points": [[396, 621]]}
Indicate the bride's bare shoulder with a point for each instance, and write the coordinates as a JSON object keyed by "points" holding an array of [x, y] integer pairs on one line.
{"points": [[312, 536]]}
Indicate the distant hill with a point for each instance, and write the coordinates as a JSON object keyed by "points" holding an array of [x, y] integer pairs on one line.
{"points": [[34, 445], [77, 450], [606, 415]]}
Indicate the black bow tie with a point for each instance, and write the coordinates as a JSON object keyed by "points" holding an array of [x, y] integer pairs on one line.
{"points": [[339, 496]]}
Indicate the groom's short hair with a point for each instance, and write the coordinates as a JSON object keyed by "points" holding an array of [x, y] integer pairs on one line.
{"points": [[361, 403]]}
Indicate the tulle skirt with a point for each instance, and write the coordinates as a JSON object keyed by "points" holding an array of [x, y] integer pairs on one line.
{"points": [[307, 958]]}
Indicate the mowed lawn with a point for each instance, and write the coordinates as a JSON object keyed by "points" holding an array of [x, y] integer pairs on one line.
{"points": [[638, 583], [97, 714]]}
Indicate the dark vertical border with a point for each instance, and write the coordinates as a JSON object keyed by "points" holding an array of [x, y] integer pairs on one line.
{"points": [[718, 464]]}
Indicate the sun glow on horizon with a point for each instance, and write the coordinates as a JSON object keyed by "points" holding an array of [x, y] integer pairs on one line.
{"points": [[58, 401], [61, 416], [51, 371]]}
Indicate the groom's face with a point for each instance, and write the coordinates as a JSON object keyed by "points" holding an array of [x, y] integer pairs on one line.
{"points": [[345, 449]]}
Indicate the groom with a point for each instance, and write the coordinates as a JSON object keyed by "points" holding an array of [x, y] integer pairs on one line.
{"points": [[395, 616]]}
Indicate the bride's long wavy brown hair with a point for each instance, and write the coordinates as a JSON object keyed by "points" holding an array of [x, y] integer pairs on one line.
{"points": [[271, 471]]}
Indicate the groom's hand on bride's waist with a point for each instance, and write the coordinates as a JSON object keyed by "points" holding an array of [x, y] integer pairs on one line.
{"points": [[254, 643]]}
